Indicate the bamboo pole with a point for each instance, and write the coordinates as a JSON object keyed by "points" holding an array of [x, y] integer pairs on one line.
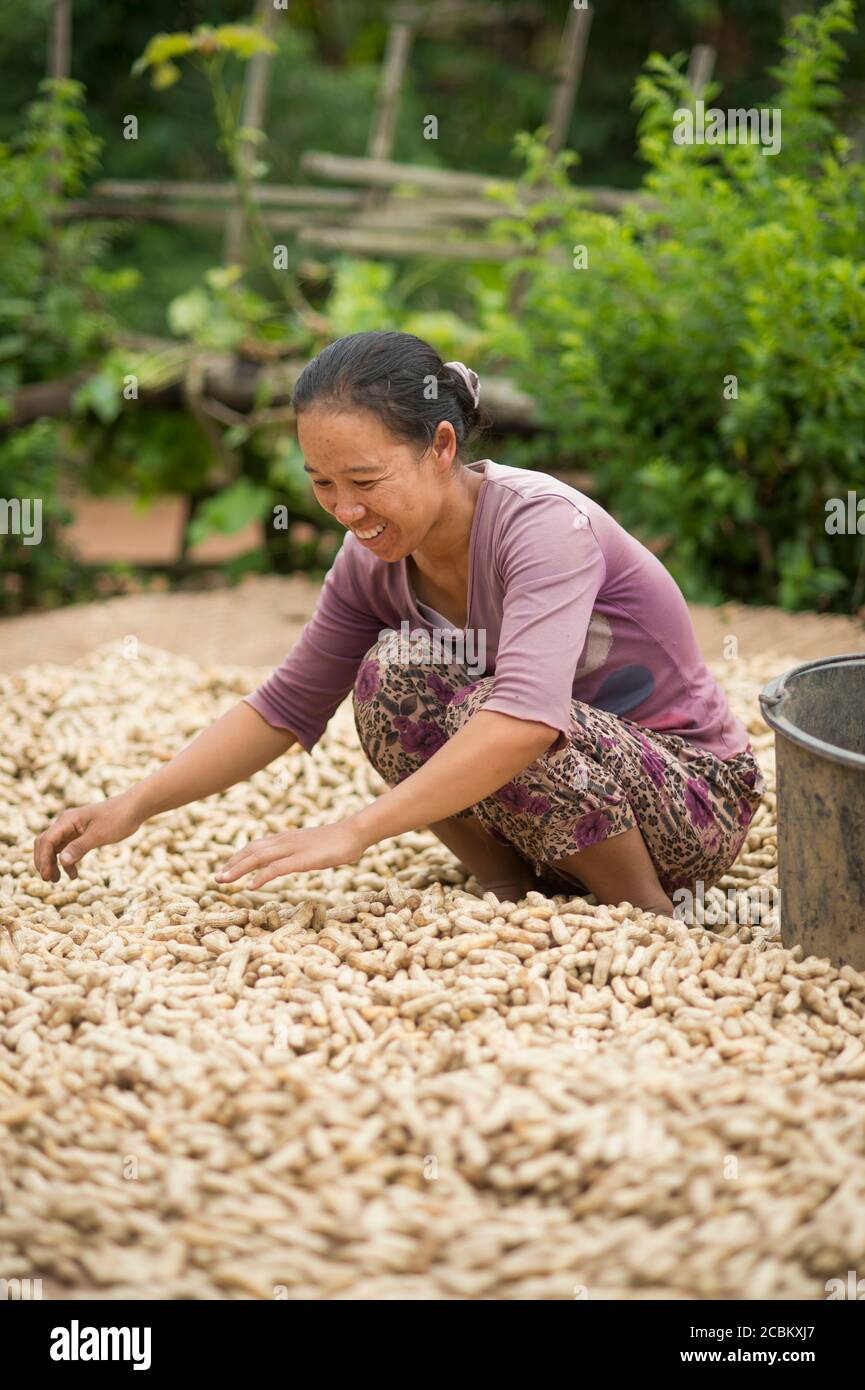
{"points": [[393, 70], [201, 215], [255, 91], [59, 60], [383, 128], [368, 241], [397, 215], [569, 68], [387, 173], [60, 40], [292, 195], [700, 68], [138, 198], [447, 13]]}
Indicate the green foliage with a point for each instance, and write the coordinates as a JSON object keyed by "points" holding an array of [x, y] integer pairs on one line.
{"points": [[362, 296], [53, 321], [149, 453], [226, 40], [744, 265], [52, 315], [223, 313], [220, 315], [374, 294], [286, 473], [231, 510], [31, 571], [738, 265]]}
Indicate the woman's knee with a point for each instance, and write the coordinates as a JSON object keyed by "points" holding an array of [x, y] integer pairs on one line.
{"points": [[400, 709], [463, 699]]}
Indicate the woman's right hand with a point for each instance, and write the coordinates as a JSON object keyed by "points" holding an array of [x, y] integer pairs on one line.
{"points": [[81, 828]]}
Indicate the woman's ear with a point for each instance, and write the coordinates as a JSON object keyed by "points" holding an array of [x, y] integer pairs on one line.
{"points": [[444, 445]]}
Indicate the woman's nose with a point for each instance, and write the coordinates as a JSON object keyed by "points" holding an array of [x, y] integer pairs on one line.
{"points": [[349, 515]]}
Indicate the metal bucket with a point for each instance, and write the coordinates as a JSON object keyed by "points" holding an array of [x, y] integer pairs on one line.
{"points": [[817, 712]]}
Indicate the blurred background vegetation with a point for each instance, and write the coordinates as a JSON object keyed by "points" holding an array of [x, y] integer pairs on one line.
{"points": [[324, 84], [742, 265]]}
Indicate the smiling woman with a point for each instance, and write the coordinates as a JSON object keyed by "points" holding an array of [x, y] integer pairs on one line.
{"points": [[531, 770], [595, 750], [371, 409]]}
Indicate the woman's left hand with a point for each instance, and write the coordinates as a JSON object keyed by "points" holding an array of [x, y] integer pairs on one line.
{"points": [[295, 852]]}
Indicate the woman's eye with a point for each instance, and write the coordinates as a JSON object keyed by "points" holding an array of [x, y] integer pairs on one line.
{"points": [[326, 483]]}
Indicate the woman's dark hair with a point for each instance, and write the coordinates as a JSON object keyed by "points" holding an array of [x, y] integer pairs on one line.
{"points": [[399, 378]]}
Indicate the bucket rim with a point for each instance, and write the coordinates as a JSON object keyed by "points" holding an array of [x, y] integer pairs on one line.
{"points": [[773, 694]]}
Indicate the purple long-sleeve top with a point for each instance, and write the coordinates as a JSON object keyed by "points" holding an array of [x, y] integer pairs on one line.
{"points": [[572, 607]]}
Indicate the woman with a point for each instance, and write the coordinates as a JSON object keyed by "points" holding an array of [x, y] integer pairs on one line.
{"points": [[595, 751]]}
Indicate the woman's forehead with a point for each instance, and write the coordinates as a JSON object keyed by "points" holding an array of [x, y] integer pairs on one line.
{"points": [[346, 440]]}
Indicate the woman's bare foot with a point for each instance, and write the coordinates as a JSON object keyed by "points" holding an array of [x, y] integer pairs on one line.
{"points": [[616, 870], [497, 867], [620, 869], [511, 889]]}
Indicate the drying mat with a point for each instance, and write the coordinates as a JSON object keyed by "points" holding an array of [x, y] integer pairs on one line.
{"points": [[372, 1083]]}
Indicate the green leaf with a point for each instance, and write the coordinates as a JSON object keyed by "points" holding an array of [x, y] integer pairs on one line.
{"points": [[252, 134], [102, 394], [189, 312], [230, 510], [243, 40], [161, 49], [15, 308], [222, 277], [165, 75], [13, 345]]}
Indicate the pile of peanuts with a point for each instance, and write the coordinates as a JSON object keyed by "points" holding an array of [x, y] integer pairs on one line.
{"points": [[376, 1081]]}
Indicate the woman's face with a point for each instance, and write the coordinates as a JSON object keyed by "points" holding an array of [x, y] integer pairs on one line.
{"points": [[373, 483]]}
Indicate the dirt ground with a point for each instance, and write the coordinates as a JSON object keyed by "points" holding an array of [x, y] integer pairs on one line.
{"points": [[256, 623]]}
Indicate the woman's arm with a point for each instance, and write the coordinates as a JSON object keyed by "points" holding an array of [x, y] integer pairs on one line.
{"points": [[230, 750], [238, 744], [487, 752]]}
